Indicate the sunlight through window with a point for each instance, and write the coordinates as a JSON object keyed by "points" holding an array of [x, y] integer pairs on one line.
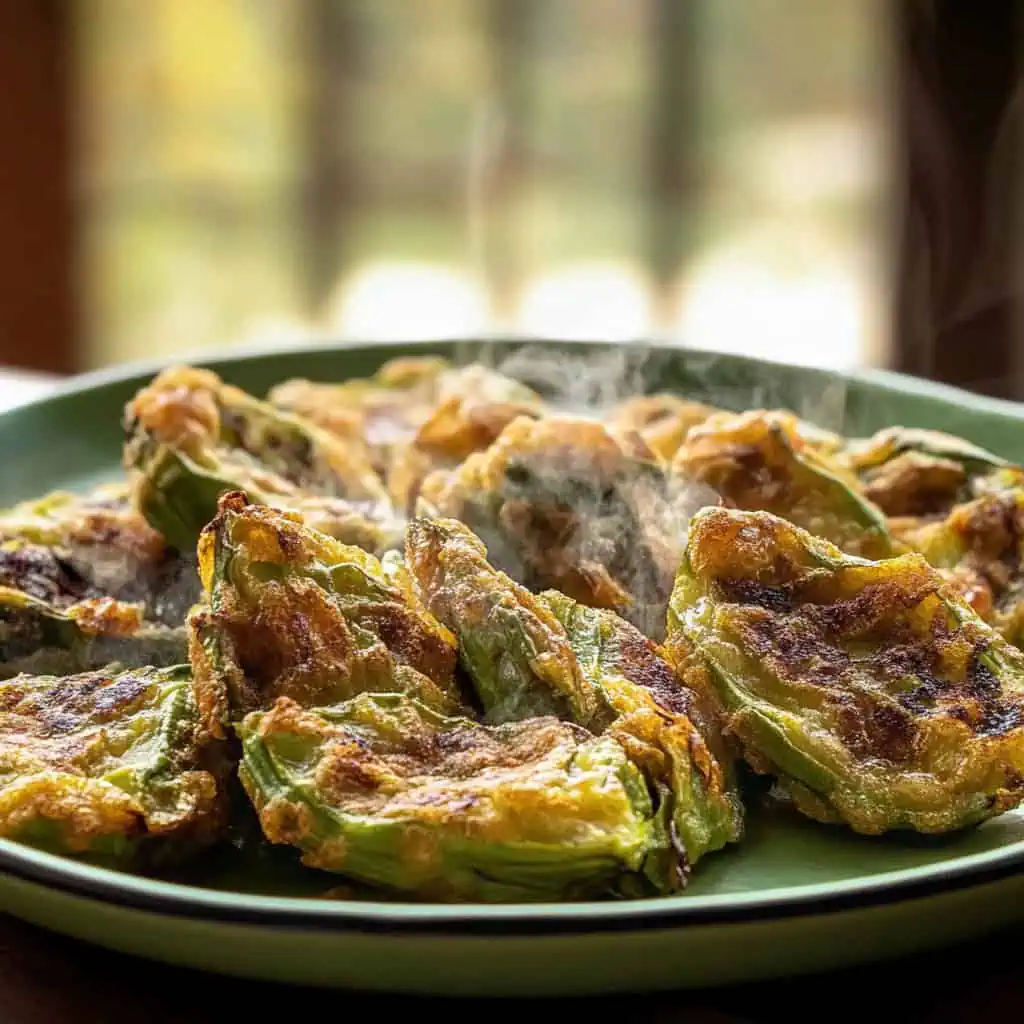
{"points": [[409, 301], [812, 318], [607, 301]]}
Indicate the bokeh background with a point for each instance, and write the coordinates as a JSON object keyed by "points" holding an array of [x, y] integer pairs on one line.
{"points": [[822, 181]]}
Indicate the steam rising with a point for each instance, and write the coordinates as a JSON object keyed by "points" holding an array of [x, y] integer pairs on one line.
{"points": [[632, 520]]}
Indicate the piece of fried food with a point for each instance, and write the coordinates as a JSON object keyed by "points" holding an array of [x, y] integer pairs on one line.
{"points": [[293, 612], [914, 473], [870, 690], [957, 504], [514, 650], [111, 765], [387, 791], [979, 546], [548, 655], [84, 581], [379, 412], [660, 723], [563, 503], [764, 461], [414, 415], [191, 437], [64, 548], [662, 420], [43, 638]]}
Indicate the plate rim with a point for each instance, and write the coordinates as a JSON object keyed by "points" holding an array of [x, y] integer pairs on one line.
{"points": [[174, 899], [142, 893], [871, 375]]}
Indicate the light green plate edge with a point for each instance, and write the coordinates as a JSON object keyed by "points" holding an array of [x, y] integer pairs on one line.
{"points": [[795, 897]]}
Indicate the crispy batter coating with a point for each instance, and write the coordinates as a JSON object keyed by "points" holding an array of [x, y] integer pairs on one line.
{"points": [[414, 415], [661, 723], [873, 693], [662, 420], [763, 460], [386, 791], [110, 764], [193, 437], [514, 650], [563, 503], [293, 612], [64, 548], [910, 472], [979, 545]]}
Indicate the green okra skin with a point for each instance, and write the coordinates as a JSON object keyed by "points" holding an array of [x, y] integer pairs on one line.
{"points": [[514, 651], [388, 792], [660, 723], [293, 612], [873, 693], [110, 764], [891, 442]]}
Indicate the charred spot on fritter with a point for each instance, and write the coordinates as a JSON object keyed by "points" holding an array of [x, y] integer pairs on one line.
{"points": [[294, 613], [872, 691], [386, 791]]}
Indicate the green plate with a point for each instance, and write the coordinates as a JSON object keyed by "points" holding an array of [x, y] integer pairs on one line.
{"points": [[794, 897]]}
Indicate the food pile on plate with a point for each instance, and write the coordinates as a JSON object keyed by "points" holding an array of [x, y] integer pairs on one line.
{"points": [[454, 644]]}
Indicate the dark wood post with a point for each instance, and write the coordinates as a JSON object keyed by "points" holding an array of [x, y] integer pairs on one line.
{"points": [[39, 313], [328, 192], [671, 147], [957, 297]]}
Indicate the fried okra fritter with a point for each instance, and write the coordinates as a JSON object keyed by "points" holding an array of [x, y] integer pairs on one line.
{"points": [[958, 505], [414, 415], [191, 438], [913, 473], [392, 793], [870, 690], [64, 548], [564, 503], [536, 655], [84, 580], [111, 765], [292, 612], [768, 461]]}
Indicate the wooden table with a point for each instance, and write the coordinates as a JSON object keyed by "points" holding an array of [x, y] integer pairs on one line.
{"points": [[47, 978]]}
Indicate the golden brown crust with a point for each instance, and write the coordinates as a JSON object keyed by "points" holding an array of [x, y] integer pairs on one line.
{"points": [[913, 484], [885, 621], [662, 420], [486, 784], [767, 461], [179, 407]]}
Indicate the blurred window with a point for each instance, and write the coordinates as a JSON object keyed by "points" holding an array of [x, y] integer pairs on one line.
{"points": [[256, 169]]}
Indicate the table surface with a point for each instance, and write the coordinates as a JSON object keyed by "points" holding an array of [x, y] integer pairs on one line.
{"points": [[46, 977]]}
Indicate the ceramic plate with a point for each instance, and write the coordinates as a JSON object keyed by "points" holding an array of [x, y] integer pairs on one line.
{"points": [[794, 897]]}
